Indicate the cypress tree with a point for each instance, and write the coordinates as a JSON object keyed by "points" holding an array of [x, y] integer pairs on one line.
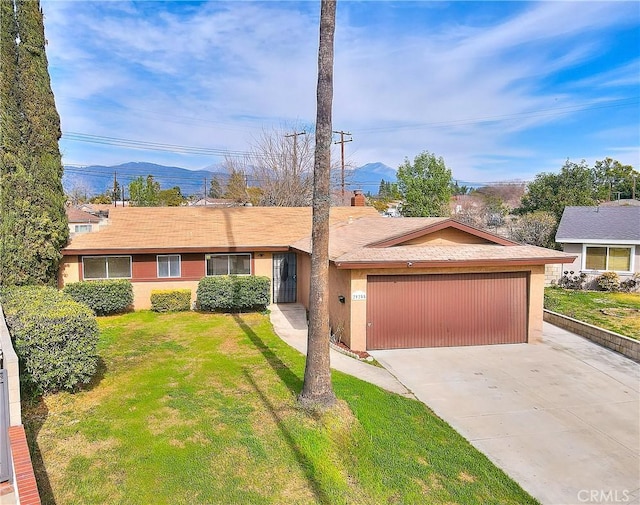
{"points": [[34, 225]]}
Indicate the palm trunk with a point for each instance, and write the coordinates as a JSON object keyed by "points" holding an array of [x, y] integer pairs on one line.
{"points": [[317, 390]]}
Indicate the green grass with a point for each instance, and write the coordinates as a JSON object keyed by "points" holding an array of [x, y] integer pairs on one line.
{"points": [[197, 408], [619, 312]]}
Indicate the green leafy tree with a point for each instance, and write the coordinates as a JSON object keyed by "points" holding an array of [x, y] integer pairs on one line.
{"points": [[171, 197], [33, 222], [104, 198], [425, 186], [613, 180], [144, 192], [574, 185], [457, 189]]}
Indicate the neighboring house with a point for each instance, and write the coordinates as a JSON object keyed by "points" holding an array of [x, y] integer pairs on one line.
{"points": [[81, 221], [604, 238], [405, 282]]}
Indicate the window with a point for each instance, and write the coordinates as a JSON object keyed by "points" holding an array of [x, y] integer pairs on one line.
{"points": [[169, 265], [82, 228], [106, 267], [608, 258], [228, 264]]}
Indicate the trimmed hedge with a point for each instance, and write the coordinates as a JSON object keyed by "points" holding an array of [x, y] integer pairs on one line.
{"points": [[171, 300], [54, 337], [233, 293], [103, 297]]}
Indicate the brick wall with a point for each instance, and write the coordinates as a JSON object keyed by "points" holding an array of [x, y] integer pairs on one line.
{"points": [[609, 339]]}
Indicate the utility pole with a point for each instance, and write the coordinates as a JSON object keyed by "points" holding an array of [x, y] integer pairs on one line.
{"points": [[342, 142], [295, 136], [205, 191], [115, 189], [633, 188]]}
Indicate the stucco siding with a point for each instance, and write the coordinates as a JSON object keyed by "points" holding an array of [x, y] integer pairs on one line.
{"points": [[304, 278], [339, 319]]}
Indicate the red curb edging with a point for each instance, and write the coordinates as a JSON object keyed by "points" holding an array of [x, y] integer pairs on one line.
{"points": [[27, 489]]}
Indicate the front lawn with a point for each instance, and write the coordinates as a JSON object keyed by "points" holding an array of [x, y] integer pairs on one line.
{"points": [[619, 312], [198, 408]]}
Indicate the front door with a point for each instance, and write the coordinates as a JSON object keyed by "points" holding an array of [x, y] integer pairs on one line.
{"points": [[284, 278]]}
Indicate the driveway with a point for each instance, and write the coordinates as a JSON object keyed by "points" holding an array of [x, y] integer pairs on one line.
{"points": [[562, 417]]}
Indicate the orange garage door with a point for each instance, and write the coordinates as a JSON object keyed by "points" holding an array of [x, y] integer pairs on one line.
{"points": [[438, 310]]}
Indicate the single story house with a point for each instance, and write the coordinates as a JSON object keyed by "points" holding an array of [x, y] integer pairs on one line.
{"points": [[602, 238], [394, 282], [81, 221]]}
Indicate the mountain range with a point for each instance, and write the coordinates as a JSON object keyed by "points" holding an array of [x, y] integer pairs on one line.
{"points": [[96, 179]]}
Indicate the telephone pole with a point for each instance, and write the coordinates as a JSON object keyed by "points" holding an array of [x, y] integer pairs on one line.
{"points": [[342, 142], [295, 136], [115, 188]]}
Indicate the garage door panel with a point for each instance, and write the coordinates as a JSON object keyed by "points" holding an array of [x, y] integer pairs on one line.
{"points": [[446, 310]]}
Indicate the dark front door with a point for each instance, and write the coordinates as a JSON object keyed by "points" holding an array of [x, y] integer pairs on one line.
{"points": [[284, 278]]}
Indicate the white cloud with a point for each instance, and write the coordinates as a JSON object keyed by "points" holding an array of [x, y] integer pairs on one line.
{"points": [[215, 73]]}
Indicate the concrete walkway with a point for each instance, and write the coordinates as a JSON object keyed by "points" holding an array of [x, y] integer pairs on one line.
{"points": [[562, 417], [290, 323]]}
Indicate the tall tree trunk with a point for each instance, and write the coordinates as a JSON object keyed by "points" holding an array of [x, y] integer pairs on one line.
{"points": [[317, 391]]}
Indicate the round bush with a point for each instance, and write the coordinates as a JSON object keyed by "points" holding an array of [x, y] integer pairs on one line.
{"points": [[103, 297], [54, 337]]}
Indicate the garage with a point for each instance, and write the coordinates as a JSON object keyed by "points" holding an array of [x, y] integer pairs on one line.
{"points": [[438, 310]]}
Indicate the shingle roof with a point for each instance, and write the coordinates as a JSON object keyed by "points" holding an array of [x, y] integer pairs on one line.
{"points": [[611, 224], [347, 236], [79, 216], [356, 243], [191, 228], [486, 253]]}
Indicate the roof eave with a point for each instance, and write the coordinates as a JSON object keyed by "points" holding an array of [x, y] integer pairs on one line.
{"points": [[169, 250], [351, 265], [608, 241]]}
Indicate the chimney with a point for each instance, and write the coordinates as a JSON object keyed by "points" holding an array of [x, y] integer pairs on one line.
{"points": [[358, 199]]}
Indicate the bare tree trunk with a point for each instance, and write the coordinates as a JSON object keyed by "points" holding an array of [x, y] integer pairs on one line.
{"points": [[317, 391]]}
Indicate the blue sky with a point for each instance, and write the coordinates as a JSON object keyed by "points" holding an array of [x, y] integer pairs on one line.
{"points": [[500, 90]]}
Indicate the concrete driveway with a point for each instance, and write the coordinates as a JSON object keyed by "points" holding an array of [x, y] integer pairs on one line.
{"points": [[562, 417]]}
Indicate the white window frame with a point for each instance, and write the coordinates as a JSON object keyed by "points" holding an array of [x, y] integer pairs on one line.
{"points": [[609, 246], [207, 256], [107, 267], [169, 256], [82, 228]]}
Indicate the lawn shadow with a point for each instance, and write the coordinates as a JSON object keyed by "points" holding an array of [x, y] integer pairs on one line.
{"points": [[289, 378], [98, 375], [35, 414], [306, 465]]}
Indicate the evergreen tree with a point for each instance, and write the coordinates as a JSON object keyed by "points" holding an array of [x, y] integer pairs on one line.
{"points": [[215, 189], [34, 225]]}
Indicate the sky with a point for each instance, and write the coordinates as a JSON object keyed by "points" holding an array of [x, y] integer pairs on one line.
{"points": [[501, 90]]}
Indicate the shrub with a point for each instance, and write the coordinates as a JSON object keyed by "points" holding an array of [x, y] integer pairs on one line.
{"points": [[171, 300], [572, 281], [54, 337], [608, 281], [233, 293], [631, 284], [103, 297]]}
